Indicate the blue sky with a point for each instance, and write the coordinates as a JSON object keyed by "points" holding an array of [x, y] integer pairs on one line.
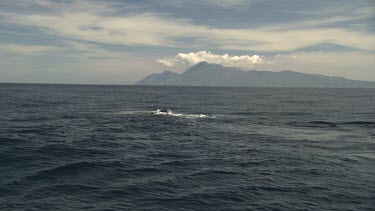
{"points": [[119, 42]]}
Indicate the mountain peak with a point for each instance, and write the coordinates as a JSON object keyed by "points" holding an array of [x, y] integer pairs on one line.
{"points": [[157, 78], [206, 74], [202, 63], [167, 72], [203, 66]]}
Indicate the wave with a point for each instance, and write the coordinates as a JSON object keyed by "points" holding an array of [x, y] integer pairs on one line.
{"points": [[131, 112], [314, 124], [177, 163], [158, 112], [332, 124], [364, 123], [73, 168], [252, 113], [214, 172], [326, 123]]}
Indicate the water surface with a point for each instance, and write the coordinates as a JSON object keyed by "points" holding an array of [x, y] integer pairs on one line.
{"points": [[78, 147]]}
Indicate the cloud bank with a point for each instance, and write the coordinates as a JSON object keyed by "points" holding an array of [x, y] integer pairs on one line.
{"points": [[244, 61], [26, 49], [103, 23]]}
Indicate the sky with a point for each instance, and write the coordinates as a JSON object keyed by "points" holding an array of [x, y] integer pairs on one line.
{"points": [[122, 41]]}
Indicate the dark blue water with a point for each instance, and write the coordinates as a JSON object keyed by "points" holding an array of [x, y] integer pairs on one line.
{"points": [[71, 147]]}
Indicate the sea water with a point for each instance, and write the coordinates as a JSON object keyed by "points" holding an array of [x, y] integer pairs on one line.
{"points": [[86, 147]]}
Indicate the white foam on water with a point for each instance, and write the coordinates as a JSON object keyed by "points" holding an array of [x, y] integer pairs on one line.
{"points": [[198, 116], [169, 113], [130, 112], [190, 116]]}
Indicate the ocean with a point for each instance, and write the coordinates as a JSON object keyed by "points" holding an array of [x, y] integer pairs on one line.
{"points": [[91, 147]]}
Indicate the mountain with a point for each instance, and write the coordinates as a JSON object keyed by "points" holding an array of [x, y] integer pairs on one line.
{"points": [[158, 79], [205, 74]]}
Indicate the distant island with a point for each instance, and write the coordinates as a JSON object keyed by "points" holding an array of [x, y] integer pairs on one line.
{"points": [[205, 74]]}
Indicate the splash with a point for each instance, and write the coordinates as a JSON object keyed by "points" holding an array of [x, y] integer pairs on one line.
{"points": [[165, 112], [170, 113]]}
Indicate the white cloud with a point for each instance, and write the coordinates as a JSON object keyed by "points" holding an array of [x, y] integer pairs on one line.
{"points": [[210, 3], [244, 61], [166, 62], [27, 49], [227, 3], [100, 22]]}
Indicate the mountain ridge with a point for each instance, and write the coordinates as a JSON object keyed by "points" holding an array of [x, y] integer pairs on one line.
{"points": [[157, 78], [206, 74]]}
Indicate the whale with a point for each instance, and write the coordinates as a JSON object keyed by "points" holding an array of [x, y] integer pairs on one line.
{"points": [[165, 110]]}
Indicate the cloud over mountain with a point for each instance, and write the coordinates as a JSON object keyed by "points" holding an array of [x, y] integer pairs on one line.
{"points": [[126, 38], [192, 58], [205, 74]]}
